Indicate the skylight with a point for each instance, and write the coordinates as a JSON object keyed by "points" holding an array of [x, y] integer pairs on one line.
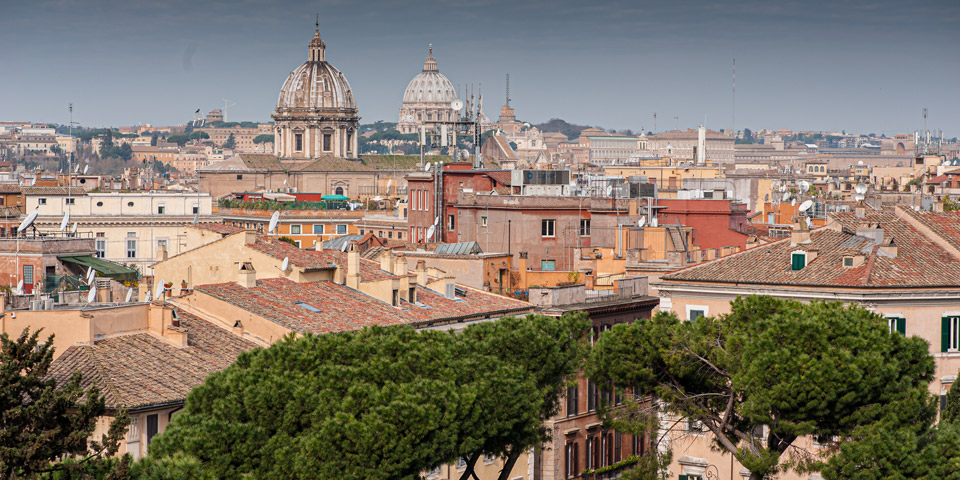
{"points": [[309, 307]]}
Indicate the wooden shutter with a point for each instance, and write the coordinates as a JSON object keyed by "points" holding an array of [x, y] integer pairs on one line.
{"points": [[944, 334], [797, 261], [902, 326]]}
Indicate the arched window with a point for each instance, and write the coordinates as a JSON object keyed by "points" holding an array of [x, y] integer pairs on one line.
{"points": [[338, 191]]}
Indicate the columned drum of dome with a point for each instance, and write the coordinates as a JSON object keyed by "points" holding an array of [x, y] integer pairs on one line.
{"points": [[427, 98], [316, 114]]}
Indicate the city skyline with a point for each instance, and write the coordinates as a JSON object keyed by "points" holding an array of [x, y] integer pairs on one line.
{"points": [[800, 65]]}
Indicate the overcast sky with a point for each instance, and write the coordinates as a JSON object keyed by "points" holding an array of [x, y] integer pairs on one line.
{"points": [[819, 65]]}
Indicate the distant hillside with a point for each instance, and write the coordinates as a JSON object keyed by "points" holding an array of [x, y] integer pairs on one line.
{"points": [[571, 130]]}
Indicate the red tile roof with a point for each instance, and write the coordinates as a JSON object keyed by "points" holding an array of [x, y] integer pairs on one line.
{"points": [[342, 308], [945, 224], [314, 260], [142, 369], [920, 262], [221, 228]]}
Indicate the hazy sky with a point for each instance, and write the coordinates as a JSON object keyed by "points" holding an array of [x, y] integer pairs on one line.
{"points": [[863, 66]]}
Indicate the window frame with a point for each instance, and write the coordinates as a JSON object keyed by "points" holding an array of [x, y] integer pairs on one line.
{"points": [[697, 308], [548, 228], [584, 227]]}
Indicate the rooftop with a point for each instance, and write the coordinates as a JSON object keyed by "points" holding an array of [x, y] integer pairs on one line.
{"points": [[142, 369]]}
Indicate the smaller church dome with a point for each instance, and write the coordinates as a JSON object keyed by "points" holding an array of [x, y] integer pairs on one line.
{"points": [[430, 86]]}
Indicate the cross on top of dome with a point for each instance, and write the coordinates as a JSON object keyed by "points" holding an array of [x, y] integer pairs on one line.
{"points": [[430, 64], [317, 50]]}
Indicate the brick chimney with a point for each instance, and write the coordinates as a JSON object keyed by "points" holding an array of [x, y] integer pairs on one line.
{"points": [[400, 264], [248, 275], [800, 234], [353, 266]]}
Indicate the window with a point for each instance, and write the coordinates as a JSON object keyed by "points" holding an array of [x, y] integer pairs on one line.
{"points": [[131, 245], [589, 453], [399, 235], [161, 209], [483, 221], [42, 201], [308, 307], [298, 142], [571, 463], [152, 426], [897, 324], [196, 208], [950, 333], [318, 229], [548, 265], [70, 201], [129, 204], [573, 397], [412, 295], [294, 229], [585, 228], [341, 229], [326, 142], [389, 234], [690, 477], [161, 243], [451, 222], [798, 260], [101, 245], [547, 228], [591, 396], [847, 261], [396, 297], [239, 177], [696, 311]]}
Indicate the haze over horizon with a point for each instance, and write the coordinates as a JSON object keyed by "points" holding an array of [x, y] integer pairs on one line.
{"points": [[842, 65]]}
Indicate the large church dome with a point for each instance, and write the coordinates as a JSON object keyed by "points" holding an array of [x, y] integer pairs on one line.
{"points": [[430, 86], [316, 84]]}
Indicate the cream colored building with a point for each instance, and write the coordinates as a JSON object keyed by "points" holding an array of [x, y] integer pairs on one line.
{"points": [[129, 228]]}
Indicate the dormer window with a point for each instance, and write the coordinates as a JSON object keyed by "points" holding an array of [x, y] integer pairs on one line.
{"points": [[847, 261], [798, 260]]}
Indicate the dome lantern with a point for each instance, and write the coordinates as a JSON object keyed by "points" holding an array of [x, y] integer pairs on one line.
{"points": [[317, 50]]}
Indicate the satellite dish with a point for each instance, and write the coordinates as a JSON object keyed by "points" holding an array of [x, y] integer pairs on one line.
{"points": [[129, 295], [284, 182], [431, 230], [389, 182], [196, 218], [85, 168], [92, 295], [456, 104], [858, 197], [274, 220], [806, 205], [426, 168], [148, 297], [91, 275], [160, 289], [804, 185], [436, 221], [783, 188], [285, 264], [609, 189], [377, 198], [793, 202], [860, 162], [74, 229], [27, 222], [642, 222], [33, 181], [77, 170], [860, 188], [654, 222], [916, 208], [65, 221], [786, 196], [20, 287], [343, 248]]}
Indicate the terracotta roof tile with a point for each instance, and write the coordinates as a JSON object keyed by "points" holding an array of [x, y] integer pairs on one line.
{"points": [[143, 369], [220, 228]]}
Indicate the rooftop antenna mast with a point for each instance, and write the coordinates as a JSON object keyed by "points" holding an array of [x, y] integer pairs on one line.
{"points": [[926, 134], [654, 122], [508, 89], [227, 104], [734, 109]]}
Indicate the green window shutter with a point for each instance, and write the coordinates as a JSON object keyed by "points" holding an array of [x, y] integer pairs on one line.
{"points": [[944, 334], [902, 326], [684, 477], [797, 260]]}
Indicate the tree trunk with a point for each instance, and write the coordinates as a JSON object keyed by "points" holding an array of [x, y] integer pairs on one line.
{"points": [[508, 465], [467, 472]]}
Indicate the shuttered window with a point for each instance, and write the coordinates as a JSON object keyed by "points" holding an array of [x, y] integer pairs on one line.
{"points": [[950, 333], [798, 260], [897, 324]]}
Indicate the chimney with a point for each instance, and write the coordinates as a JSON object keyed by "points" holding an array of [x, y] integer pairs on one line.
{"points": [[387, 261], [162, 252], [633, 209], [861, 209], [249, 237], [752, 241], [248, 275], [522, 268], [238, 328], [421, 272], [889, 248], [812, 254], [400, 265], [800, 234], [353, 266]]}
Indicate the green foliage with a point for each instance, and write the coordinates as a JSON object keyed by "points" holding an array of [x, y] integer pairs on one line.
{"points": [[949, 204], [153, 139], [273, 205], [951, 411], [571, 130], [230, 143], [174, 467], [747, 138], [43, 421], [800, 369], [199, 135], [263, 138], [380, 403], [288, 240], [123, 152]]}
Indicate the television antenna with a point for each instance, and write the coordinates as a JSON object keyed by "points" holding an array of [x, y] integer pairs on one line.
{"points": [[227, 104], [806, 205]]}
